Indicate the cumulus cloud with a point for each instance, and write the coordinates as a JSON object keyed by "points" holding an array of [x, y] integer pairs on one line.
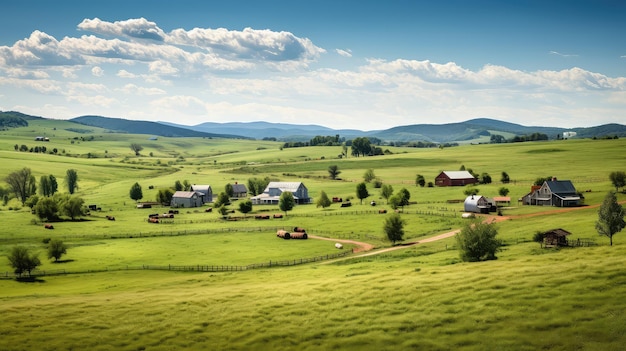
{"points": [[132, 89], [97, 72], [139, 28]]}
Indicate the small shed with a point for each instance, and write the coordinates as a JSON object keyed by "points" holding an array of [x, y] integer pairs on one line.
{"points": [[206, 190], [477, 204], [555, 238], [239, 190]]}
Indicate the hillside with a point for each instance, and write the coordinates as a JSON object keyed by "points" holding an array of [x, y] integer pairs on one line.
{"points": [[144, 127]]}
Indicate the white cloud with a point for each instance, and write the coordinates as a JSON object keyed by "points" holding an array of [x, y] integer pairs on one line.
{"points": [[132, 89], [97, 72], [344, 53], [139, 28], [562, 55]]}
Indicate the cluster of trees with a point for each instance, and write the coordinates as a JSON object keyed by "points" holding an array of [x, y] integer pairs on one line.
{"points": [[36, 149], [50, 208], [256, 186], [23, 261], [326, 140], [23, 184], [499, 139], [618, 179], [477, 242]]}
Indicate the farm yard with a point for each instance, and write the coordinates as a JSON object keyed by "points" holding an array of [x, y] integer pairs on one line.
{"points": [[407, 296]]}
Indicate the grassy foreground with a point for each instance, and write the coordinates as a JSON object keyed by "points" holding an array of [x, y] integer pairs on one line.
{"points": [[416, 298]]}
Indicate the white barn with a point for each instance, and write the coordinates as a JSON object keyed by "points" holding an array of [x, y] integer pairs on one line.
{"points": [[271, 194]]}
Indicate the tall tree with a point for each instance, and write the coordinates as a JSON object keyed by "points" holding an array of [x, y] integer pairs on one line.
{"points": [[323, 201], [71, 180], [386, 191], [56, 249], [505, 178], [22, 261], [405, 196], [229, 190], [22, 183], [178, 186], [394, 228], [71, 206], [286, 202], [47, 209], [618, 179], [136, 148], [136, 193], [164, 196], [610, 217], [420, 180], [333, 172], [361, 191]]}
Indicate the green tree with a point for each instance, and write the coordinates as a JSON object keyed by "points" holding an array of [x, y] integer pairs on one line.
{"points": [[48, 185], [178, 186], [71, 180], [361, 191], [136, 148], [405, 196], [222, 210], [394, 228], [186, 185], [22, 183], [610, 217], [228, 189], [56, 249], [32, 201], [256, 186], [164, 196], [420, 180], [504, 178], [333, 172], [323, 201], [386, 191], [395, 201], [485, 178], [71, 206], [286, 202], [469, 191], [369, 175], [47, 209], [503, 191], [135, 192], [22, 261], [245, 206], [477, 242], [222, 200], [618, 179]]}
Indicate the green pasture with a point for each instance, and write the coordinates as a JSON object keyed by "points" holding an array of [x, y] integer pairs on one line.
{"points": [[417, 297]]}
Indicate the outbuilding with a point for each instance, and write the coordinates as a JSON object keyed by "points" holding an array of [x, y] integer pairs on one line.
{"points": [[478, 204], [187, 199], [455, 178], [206, 190]]}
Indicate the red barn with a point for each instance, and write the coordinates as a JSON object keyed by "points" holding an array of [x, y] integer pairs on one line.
{"points": [[455, 178]]}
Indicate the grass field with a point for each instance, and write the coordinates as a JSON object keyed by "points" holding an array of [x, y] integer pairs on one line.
{"points": [[419, 297]]}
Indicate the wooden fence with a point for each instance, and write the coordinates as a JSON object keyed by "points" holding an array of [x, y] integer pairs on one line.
{"points": [[185, 268]]}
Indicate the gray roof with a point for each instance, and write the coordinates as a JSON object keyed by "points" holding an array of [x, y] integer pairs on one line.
{"points": [[458, 174], [239, 188], [284, 186], [185, 194], [561, 186]]}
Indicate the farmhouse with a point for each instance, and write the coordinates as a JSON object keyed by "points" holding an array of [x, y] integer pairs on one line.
{"points": [[454, 178], [559, 193], [187, 199], [239, 190], [207, 192], [478, 204], [271, 194]]}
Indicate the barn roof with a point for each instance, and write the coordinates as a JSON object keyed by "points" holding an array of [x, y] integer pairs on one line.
{"points": [[561, 186], [558, 232], [200, 187], [239, 188], [284, 186], [184, 194], [458, 174]]}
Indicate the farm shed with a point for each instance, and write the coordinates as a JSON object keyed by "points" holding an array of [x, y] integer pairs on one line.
{"points": [[187, 199], [559, 193], [271, 194], [207, 192], [454, 178], [239, 190], [555, 238], [478, 204], [502, 201]]}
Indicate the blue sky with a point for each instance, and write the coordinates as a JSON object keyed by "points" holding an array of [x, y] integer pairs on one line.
{"points": [[342, 64]]}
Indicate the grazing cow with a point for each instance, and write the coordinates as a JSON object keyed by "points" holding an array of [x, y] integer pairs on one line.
{"points": [[110, 218], [346, 204], [48, 226], [338, 245], [278, 215], [283, 234], [153, 220], [210, 209], [382, 211], [262, 217], [299, 229]]}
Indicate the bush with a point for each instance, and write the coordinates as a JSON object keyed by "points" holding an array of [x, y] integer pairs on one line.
{"points": [[477, 242]]}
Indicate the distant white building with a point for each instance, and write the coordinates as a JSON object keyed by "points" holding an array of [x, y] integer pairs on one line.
{"points": [[271, 194], [567, 135]]}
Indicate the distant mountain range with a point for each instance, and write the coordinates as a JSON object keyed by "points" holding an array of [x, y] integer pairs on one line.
{"points": [[474, 130]]}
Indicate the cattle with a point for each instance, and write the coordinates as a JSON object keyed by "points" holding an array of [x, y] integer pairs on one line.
{"points": [[153, 215], [299, 229], [110, 218], [338, 245], [278, 215], [346, 204], [337, 199], [283, 234], [299, 235], [373, 203], [166, 215], [173, 212], [153, 220], [262, 216], [48, 226], [381, 211], [210, 209]]}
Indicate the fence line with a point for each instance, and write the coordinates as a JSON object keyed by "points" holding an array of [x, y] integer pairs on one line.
{"points": [[185, 268]]}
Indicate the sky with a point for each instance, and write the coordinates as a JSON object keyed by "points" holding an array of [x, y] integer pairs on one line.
{"points": [[366, 65]]}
